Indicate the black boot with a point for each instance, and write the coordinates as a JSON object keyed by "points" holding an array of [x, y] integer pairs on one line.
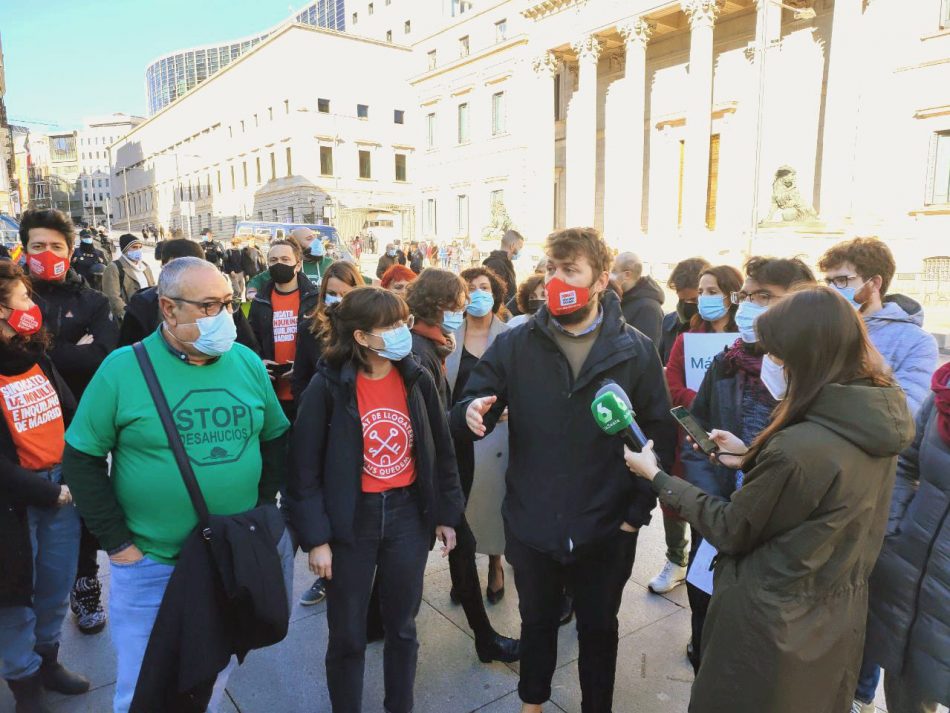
{"points": [[498, 648], [29, 694], [55, 677]]}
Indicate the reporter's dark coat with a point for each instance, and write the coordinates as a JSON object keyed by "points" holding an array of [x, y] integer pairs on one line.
{"points": [[326, 475], [797, 543], [21, 488], [566, 479], [909, 618]]}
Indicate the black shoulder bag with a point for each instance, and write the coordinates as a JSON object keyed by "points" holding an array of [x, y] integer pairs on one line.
{"points": [[243, 546]]}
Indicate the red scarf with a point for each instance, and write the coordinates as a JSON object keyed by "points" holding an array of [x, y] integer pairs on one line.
{"points": [[745, 362], [941, 391], [444, 343]]}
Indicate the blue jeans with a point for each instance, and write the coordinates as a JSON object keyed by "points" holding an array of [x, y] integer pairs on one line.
{"points": [[868, 678], [134, 599], [54, 537]]}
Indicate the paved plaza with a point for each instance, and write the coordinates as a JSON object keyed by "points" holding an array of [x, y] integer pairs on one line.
{"points": [[653, 675]]}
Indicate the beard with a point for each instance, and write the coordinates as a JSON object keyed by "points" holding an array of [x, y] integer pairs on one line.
{"points": [[567, 320]]}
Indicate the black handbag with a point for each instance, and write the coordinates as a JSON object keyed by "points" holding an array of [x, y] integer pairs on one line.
{"points": [[243, 546]]}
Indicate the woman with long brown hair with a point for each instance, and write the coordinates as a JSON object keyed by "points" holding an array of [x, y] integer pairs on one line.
{"points": [[39, 525], [797, 542]]}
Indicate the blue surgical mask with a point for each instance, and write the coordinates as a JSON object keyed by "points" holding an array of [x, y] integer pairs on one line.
{"points": [[134, 255], [848, 294], [86, 241], [331, 299], [317, 249], [745, 320], [712, 307], [391, 253], [217, 334], [516, 254], [480, 303], [397, 343], [451, 321]]}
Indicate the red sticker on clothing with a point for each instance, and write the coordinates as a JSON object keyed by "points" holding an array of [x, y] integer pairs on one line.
{"points": [[387, 435]]}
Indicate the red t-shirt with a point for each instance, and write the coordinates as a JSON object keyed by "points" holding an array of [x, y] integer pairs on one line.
{"points": [[34, 417], [388, 460], [286, 308]]}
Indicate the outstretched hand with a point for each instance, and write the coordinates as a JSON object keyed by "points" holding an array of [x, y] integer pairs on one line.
{"points": [[644, 463]]}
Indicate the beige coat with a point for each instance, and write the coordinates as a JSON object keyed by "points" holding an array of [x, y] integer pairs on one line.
{"points": [[120, 287]]}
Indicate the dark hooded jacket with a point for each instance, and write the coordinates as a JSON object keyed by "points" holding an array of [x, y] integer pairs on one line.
{"points": [[566, 479], [642, 307], [797, 543], [261, 315], [499, 262]]}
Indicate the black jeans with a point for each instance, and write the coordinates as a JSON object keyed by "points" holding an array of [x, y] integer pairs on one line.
{"points": [[698, 605], [392, 541], [88, 551], [597, 574]]}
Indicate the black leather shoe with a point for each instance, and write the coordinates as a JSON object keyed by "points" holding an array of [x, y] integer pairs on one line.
{"points": [[498, 648], [567, 608], [56, 677], [494, 595], [29, 695]]}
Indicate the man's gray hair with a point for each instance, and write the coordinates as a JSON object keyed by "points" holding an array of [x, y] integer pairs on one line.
{"points": [[632, 262], [510, 239], [173, 274]]}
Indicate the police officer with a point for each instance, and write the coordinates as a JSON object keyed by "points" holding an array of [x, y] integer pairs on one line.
{"points": [[86, 258]]}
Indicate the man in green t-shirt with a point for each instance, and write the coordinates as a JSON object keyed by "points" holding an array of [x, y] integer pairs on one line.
{"points": [[230, 423]]}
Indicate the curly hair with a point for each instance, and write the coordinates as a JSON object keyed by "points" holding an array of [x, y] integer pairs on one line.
{"points": [[686, 274], [784, 272], [497, 286], [870, 256], [434, 292], [49, 219], [571, 242], [10, 275], [525, 290]]}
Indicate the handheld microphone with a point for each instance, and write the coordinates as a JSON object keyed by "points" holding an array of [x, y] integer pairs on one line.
{"points": [[614, 414]]}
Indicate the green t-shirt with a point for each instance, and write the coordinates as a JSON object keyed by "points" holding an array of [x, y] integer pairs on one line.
{"points": [[223, 411]]}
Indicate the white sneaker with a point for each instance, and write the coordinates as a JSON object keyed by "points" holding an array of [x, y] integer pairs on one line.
{"points": [[862, 707], [669, 578]]}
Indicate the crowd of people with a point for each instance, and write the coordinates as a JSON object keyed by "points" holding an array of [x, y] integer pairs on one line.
{"points": [[201, 428]]}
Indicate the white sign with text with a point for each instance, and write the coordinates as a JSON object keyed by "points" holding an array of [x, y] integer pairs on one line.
{"points": [[699, 351]]}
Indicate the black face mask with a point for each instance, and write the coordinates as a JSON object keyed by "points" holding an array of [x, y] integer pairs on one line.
{"points": [[685, 311], [281, 273], [535, 303]]}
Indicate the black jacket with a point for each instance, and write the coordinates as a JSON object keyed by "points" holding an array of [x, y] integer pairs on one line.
{"points": [[326, 475], [214, 252], [566, 478], [423, 349], [261, 315], [308, 355], [672, 328], [642, 307], [142, 318], [417, 261], [71, 309], [499, 262], [252, 261], [20, 488], [386, 262], [84, 258]]}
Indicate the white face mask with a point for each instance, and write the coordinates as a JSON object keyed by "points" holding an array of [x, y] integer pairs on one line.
{"points": [[773, 376]]}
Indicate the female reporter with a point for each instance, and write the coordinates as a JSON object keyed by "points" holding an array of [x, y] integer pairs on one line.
{"points": [[798, 540], [372, 448]]}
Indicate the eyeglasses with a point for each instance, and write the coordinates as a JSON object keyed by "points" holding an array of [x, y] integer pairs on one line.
{"points": [[410, 323], [760, 298], [211, 308], [841, 281]]}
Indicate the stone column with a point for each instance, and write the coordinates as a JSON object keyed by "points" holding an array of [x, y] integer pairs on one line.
{"points": [[768, 34], [582, 136], [626, 104], [702, 17], [841, 108], [541, 110]]}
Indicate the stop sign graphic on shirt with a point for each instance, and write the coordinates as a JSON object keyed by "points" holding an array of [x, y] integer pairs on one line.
{"points": [[387, 440]]}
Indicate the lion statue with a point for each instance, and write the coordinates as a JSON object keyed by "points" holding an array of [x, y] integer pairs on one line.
{"points": [[788, 206]]}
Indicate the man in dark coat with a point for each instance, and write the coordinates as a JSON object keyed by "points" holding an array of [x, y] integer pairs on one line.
{"points": [[642, 301], [500, 261], [88, 256]]}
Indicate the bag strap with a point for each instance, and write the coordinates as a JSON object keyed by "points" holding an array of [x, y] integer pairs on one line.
{"points": [[174, 440]]}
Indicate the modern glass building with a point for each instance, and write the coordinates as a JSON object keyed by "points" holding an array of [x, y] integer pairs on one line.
{"points": [[171, 75]]}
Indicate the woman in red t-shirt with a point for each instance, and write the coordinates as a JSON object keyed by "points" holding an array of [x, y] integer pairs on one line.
{"points": [[375, 484], [35, 506], [715, 313]]}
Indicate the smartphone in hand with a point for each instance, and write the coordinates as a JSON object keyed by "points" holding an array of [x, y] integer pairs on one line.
{"points": [[695, 430]]}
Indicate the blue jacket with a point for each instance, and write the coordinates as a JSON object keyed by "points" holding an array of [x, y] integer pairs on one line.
{"points": [[896, 330]]}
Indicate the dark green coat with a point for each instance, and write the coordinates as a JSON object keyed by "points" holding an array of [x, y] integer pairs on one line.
{"points": [[785, 629]]}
